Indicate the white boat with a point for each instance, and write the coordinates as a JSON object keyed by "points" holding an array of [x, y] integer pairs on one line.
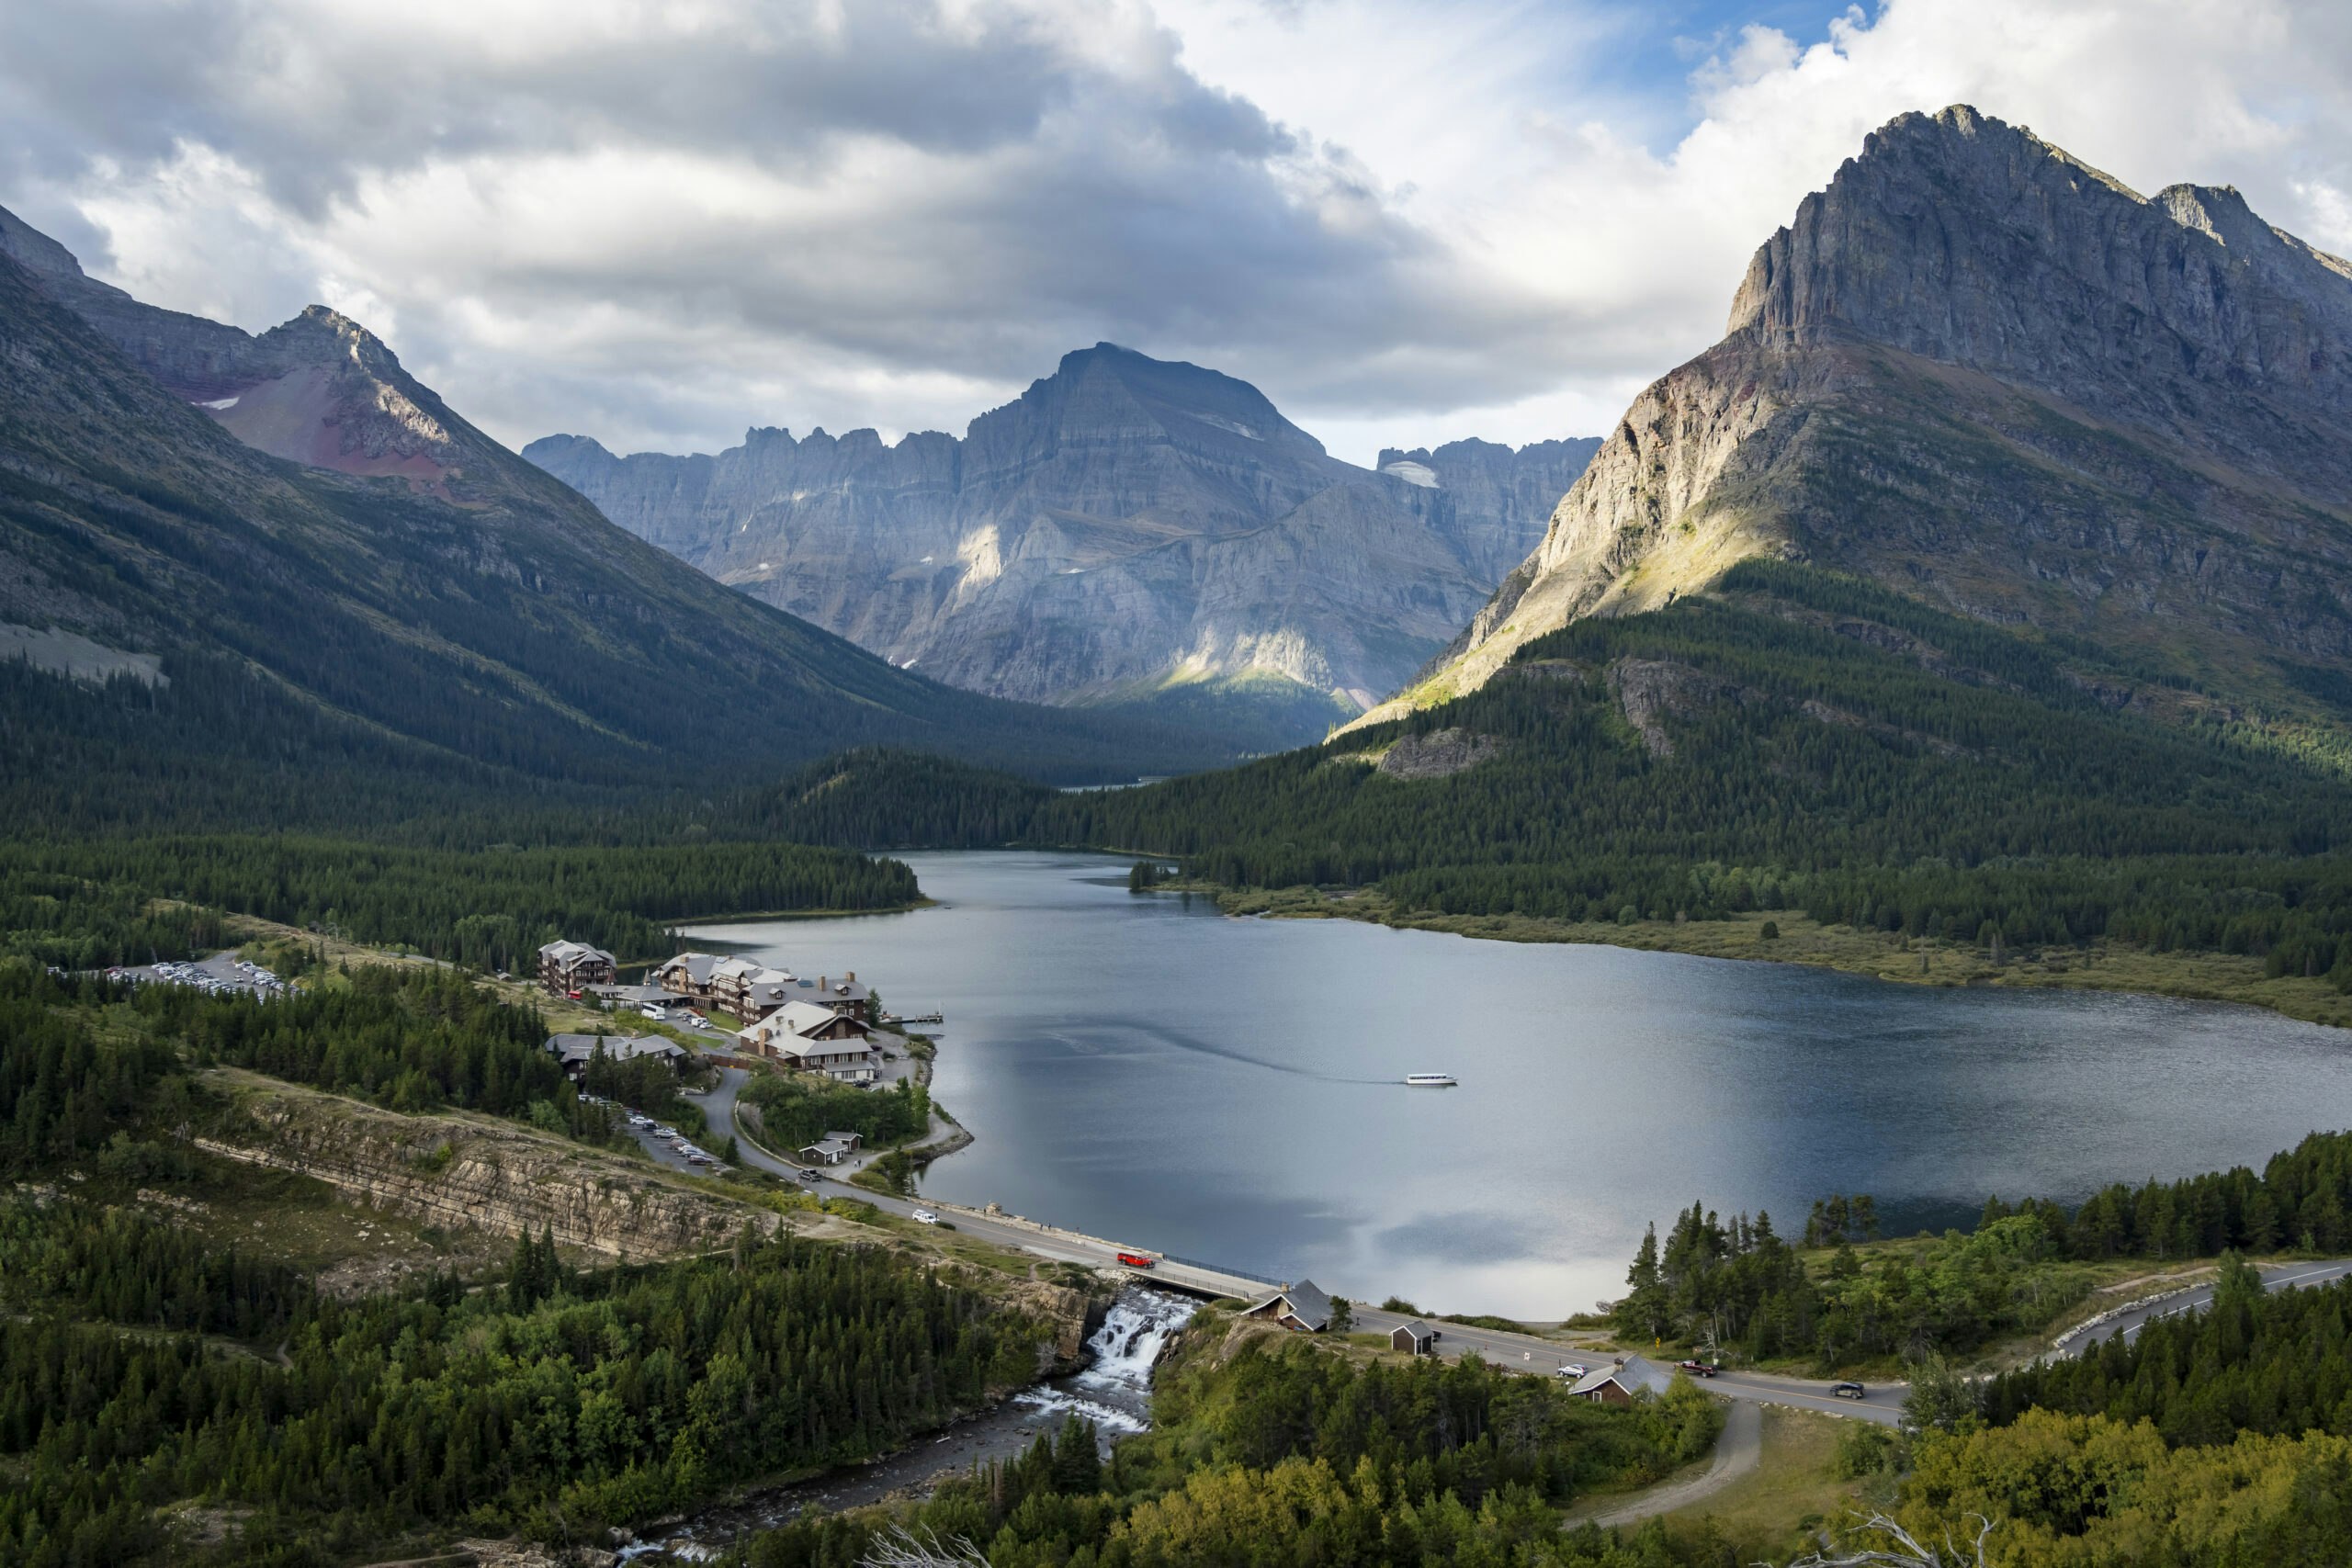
{"points": [[1430, 1081]]}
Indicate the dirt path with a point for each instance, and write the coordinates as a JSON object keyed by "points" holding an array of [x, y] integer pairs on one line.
{"points": [[1737, 1453]]}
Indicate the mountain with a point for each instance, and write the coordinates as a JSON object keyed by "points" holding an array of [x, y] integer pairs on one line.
{"points": [[1129, 531], [1985, 374], [314, 590], [1516, 488], [1979, 609]]}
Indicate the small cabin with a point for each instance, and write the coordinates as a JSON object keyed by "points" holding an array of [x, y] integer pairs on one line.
{"points": [[1414, 1338], [1625, 1381]]}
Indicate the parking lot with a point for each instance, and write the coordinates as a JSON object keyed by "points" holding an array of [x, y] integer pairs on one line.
{"points": [[224, 972], [666, 1145]]}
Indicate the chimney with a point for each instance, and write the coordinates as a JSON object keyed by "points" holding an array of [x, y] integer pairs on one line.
{"points": [[853, 976], [824, 982]]}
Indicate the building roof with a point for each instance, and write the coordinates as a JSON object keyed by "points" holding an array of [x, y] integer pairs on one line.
{"points": [[801, 1018], [1417, 1329], [620, 1047], [1633, 1374], [751, 971], [1306, 1303], [573, 952], [697, 966]]}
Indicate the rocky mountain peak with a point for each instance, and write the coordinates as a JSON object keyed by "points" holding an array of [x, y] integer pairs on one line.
{"points": [[319, 389], [1974, 241], [1129, 530], [1975, 368], [34, 251]]}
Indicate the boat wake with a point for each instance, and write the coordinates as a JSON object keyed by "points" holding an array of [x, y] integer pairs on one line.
{"points": [[1162, 1034]]}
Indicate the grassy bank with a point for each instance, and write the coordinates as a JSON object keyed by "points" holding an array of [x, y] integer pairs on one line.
{"points": [[2099, 966]]}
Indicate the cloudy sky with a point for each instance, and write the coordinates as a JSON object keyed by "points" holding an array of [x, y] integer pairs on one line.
{"points": [[657, 221]]}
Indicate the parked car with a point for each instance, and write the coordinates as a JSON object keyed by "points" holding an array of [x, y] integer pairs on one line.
{"points": [[1850, 1391], [1699, 1369], [926, 1217]]}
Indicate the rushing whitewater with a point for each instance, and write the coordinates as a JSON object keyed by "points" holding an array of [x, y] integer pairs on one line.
{"points": [[1114, 1390]]}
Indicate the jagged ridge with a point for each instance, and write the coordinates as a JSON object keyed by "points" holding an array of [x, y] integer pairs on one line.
{"points": [[1126, 526]]}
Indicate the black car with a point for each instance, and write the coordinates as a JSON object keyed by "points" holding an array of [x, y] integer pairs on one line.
{"points": [[1700, 1369], [1850, 1391]]}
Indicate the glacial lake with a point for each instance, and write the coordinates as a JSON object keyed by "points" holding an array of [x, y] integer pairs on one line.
{"points": [[1146, 1069]]}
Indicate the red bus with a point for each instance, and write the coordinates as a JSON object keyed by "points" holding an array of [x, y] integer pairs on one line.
{"points": [[1135, 1260]]}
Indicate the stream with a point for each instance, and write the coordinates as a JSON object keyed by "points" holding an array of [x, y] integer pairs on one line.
{"points": [[1113, 1391]]}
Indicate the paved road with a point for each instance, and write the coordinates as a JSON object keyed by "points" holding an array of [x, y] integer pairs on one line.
{"points": [[1527, 1353], [1063, 1246], [2276, 1277]]}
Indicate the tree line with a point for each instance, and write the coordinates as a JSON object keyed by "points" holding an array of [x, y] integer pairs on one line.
{"points": [[488, 908], [554, 1405], [1738, 1284]]}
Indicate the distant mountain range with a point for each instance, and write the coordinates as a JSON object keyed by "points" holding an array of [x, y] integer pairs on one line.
{"points": [[1986, 375], [317, 591], [1128, 532]]}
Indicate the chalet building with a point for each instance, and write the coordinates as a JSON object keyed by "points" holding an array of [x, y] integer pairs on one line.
{"points": [[1300, 1308], [687, 975], [750, 989], [1623, 1381], [1415, 1338], [845, 996], [807, 1038], [578, 1050], [568, 967]]}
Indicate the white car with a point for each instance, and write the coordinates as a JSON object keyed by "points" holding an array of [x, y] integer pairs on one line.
{"points": [[926, 1217], [1573, 1371]]}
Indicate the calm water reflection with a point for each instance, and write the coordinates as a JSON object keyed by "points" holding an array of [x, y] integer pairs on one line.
{"points": [[1154, 1072]]}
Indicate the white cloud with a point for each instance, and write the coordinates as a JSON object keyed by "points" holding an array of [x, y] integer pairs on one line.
{"points": [[660, 223]]}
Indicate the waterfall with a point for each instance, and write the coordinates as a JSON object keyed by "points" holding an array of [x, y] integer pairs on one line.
{"points": [[1114, 1390], [1132, 1335]]}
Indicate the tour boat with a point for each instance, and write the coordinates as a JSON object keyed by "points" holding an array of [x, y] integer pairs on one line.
{"points": [[1430, 1081]]}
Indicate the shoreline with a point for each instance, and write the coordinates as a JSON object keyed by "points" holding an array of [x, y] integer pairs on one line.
{"points": [[2102, 966]]}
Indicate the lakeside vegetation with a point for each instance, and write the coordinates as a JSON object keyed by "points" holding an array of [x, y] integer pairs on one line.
{"points": [[84, 903], [1826, 1305]]}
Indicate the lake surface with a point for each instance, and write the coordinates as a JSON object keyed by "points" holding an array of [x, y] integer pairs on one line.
{"points": [[1146, 1069]]}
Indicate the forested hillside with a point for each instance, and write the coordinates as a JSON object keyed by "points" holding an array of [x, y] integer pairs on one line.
{"points": [[1800, 742]]}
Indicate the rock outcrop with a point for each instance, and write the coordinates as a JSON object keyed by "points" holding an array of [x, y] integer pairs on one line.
{"points": [[1439, 754], [1986, 375], [459, 1169], [1126, 527]]}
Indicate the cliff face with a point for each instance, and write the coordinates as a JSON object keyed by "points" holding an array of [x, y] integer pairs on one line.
{"points": [[1126, 527], [1502, 498], [1984, 373], [473, 1170]]}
